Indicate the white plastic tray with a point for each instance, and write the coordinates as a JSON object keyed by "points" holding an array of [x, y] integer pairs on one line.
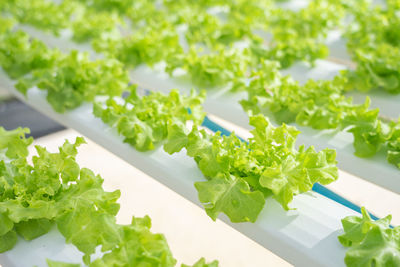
{"points": [[306, 236]]}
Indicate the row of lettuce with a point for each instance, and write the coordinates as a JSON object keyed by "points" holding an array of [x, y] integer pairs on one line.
{"points": [[148, 32], [211, 62], [55, 190]]}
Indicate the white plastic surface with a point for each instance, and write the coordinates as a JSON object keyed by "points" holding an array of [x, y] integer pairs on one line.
{"points": [[306, 236], [34, 253]]}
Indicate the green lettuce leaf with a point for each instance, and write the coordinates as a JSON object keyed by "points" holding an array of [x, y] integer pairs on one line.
{"points": [[52, 263], [371, 243], [8, 241], [231, 196], [137, 246], [14, 142], [147, 121], [202, 263], [33, 228]]}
